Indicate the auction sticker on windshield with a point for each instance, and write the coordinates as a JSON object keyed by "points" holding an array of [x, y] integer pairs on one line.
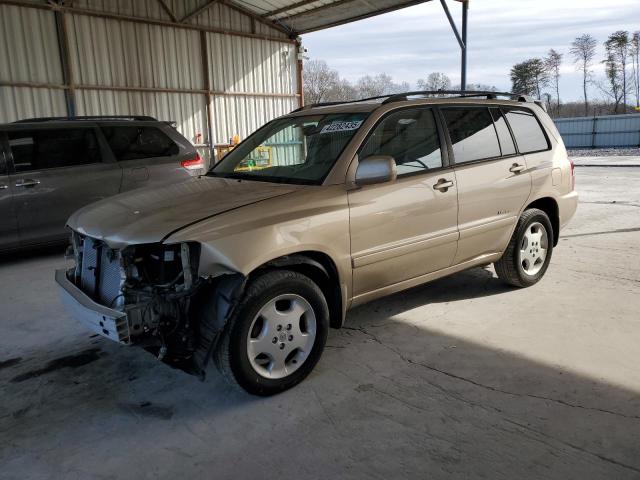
{"points": [[341, 127]]}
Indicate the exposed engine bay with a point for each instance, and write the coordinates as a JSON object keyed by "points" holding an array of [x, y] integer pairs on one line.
{"points": [[157, 286]]}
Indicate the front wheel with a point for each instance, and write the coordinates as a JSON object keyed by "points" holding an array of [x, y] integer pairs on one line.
{"points": [[528, 254], [276, 335]]}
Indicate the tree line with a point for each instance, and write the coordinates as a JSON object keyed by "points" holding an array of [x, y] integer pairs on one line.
{"points": [[324, 84], [540, 77]]}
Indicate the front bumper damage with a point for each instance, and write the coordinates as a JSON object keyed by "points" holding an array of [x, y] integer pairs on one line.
{"points": [[150, 295], [102, 320]]}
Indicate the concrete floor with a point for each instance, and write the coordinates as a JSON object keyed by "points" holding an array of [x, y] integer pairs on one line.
{"points": [[460, 378]]}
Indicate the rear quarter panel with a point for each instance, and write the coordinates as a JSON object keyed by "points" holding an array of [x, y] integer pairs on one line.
{"points": [[551, 171]]}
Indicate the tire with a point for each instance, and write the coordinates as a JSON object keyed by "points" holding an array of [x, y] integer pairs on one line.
{"points": [[524, 268], [257, 318]]}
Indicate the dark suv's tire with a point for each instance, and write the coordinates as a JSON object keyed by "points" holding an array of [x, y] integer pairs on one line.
{"points": [[528, 254], [276, 335]]}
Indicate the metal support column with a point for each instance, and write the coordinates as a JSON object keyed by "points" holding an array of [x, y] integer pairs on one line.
{"points": [[462, 40], [204, 51], [463, 67], [65, 61], [300, 70]]}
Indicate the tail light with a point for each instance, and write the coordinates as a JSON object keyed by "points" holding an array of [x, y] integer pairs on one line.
{"points": [[573, 175], [193, 163]]}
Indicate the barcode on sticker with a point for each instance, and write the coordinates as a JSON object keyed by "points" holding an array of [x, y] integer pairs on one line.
{"points": [[341, 127]]}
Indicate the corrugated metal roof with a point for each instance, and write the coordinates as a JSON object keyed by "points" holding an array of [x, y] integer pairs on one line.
{"points": [[303, 16]]}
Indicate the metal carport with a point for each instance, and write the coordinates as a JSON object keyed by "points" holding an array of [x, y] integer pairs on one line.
{"points": [[216, 67]]}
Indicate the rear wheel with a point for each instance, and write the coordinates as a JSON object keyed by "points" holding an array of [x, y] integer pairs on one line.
{"points": [[528, 254], [276, 335]]}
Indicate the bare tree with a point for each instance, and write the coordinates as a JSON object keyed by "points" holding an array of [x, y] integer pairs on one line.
{"points": [[583, 50], [342, 91], [634, 52], [617, 46], [435, 81], [381, 84], [552, 63], [319, 80]]}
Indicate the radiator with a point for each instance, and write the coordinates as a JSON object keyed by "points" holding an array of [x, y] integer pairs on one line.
{"points": [[101, 273]]}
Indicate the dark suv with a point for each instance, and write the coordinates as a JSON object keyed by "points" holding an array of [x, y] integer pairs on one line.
{"points": [[50, 167]]}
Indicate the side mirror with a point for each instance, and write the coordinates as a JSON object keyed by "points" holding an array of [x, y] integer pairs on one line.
{"points": [[376, 169]]}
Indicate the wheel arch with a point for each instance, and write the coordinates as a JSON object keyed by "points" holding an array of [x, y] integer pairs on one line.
{"points": [[549, 206], [320, 268]]}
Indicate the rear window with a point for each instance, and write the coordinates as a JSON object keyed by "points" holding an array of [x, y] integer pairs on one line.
{"points": [[53, 148], [527, 130], [472, 134], [135, 142]]}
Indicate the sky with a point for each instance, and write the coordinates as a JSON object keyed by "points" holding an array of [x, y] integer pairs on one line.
{"points": [[411, 43]]}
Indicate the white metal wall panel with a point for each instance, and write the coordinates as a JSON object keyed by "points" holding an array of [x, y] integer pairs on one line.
{"points": [[118, 53], [187, 110], [28, 46], [603, 131], [17, 103], [242, 115], [251, 65]]}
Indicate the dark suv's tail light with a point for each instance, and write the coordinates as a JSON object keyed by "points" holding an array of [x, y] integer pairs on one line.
{"points": [[193, 163]]}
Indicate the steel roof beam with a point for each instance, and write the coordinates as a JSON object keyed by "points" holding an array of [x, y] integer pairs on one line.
{"points": [[198, 11], [288, 8]]}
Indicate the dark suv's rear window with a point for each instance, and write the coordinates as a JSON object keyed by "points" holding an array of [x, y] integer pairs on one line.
{"points": [[527, 130], [135, 142]]}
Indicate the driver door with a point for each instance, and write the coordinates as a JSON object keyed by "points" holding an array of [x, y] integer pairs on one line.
{"points": [[407, 228]]}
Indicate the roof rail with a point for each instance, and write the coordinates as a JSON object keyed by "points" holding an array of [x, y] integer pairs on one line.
{"points": [[344, 102], [458, 93], [398, 97], [138, 118]]}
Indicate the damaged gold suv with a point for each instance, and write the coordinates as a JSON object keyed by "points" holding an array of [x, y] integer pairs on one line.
{"points": [[318, 211]]}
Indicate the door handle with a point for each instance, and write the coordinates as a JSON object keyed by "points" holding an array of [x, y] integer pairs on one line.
{"points": [[27, 183], [4, 187], [517, 168], [443, 185]]}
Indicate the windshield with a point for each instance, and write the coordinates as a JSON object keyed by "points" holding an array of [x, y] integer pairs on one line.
{"points": [[291, 150]]}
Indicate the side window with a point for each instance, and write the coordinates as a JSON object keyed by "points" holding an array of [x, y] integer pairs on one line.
{"points": [[506, 142], [53, 148], [472, 133], [411, 137], [527, 130], [134, 142]]}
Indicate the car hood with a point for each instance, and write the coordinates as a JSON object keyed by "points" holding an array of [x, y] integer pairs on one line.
{"points": [[150, 214]]}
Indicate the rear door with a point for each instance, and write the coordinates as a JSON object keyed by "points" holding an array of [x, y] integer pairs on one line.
{"points": [[493, 180], [8, 223], [55, 170], [147, 153]]}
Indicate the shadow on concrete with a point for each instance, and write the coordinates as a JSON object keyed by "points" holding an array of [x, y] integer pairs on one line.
{"points": [[388, 400], [33, 253]]}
